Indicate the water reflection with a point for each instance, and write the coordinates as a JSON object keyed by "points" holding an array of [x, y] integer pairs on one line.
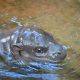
{"points": [[29, 76], [37, 71]]}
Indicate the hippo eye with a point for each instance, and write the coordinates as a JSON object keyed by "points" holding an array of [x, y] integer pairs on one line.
{"points": [[40, 49]]}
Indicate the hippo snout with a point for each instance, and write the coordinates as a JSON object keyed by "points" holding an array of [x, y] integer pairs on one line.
{"points": [[57, 57], [57, 52]]}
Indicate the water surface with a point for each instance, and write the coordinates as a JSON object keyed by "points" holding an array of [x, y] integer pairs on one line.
{"points": [[61, 19]]}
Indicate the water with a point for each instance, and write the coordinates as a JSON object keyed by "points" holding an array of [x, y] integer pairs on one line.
{"points": [[38, 71], [61, 19]]}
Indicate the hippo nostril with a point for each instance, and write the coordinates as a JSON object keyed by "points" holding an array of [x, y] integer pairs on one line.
{"points": [[56, 54], [59, 53]]}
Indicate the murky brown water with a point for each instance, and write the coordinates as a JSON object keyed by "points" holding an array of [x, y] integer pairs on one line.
{"points": [[59, 17]]}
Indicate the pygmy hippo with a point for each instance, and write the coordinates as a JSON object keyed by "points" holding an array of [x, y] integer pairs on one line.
{"points": [[32, 44]]}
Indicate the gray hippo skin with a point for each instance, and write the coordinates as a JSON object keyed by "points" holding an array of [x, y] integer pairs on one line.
{"points": [[32, 44]]}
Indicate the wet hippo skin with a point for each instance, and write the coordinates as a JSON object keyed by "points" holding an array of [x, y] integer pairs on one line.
{"points": [[31, 44]]}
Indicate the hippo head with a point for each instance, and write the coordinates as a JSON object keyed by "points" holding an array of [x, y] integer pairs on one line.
{"points": [[34, 44]]}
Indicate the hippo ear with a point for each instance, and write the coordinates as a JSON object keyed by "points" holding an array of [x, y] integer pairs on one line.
{"points": [[16, 48]]}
